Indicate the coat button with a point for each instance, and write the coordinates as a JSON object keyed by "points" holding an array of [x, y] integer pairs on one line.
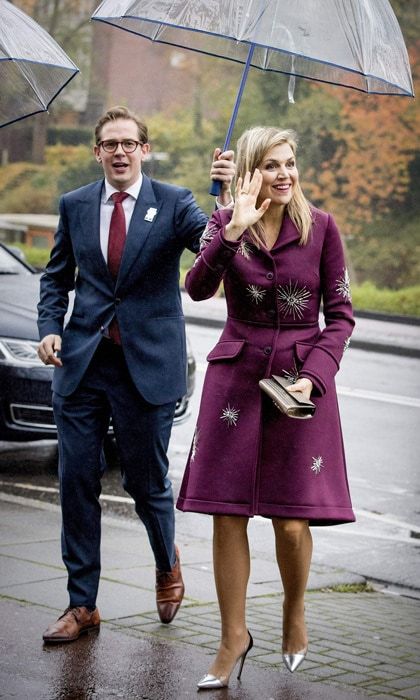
{"points": [[271, 312], [267, 349], [270, 275], [117, 301]]}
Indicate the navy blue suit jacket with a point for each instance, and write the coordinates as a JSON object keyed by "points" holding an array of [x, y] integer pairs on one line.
{"points": [[145, 297]]}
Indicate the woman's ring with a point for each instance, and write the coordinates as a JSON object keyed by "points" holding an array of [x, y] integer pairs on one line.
{"points": [[244, 191]]}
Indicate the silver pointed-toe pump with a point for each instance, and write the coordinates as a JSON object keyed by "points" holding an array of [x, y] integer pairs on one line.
{"points": [[293, 661], [210, 682]]}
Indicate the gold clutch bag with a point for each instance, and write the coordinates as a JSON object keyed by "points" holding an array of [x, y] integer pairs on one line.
{"points": [[292, 405]]}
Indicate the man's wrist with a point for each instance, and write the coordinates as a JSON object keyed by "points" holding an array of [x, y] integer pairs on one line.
{"points": [[228, 204]]}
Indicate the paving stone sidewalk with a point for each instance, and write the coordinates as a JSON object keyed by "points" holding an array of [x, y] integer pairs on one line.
{"points": [[362, 644], [366, 641]]}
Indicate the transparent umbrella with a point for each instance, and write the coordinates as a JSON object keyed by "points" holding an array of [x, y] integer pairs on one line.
{"points": [[353, 43], [33, 67]]}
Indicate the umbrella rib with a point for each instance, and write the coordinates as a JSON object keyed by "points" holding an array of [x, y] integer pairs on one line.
{"points": [[16, 60], [18, 119], [62, 87], [33, 87]]}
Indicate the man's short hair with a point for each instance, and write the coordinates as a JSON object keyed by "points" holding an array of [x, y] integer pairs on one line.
{"points": [[120, 113]]}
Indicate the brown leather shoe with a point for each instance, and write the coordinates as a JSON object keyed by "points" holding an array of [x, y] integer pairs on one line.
{"points": [[72, 623], [169, 591]]}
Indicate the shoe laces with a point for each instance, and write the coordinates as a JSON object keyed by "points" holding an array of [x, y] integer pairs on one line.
{"points": [[71, 611]]}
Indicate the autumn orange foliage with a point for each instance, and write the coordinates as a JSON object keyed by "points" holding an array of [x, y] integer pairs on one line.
{"points": [[369, 172]]}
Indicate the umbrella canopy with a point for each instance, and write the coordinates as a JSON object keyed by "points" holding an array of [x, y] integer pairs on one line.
{"points": [[355, 43], [33, 67]]}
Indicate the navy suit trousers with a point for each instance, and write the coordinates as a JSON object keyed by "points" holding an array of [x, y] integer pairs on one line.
{"points": [[142, 432]]}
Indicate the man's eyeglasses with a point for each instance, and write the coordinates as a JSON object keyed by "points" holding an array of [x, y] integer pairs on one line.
{"points": [[128, 145]]}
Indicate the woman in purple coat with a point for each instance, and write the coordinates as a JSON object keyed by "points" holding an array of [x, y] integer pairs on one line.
{"points": [[278, 258]]}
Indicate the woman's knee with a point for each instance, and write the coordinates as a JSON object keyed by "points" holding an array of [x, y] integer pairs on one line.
{"points": [[291, 532], [228, 525]]}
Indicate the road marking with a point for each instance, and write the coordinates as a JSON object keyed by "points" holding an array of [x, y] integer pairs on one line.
{"points": [[397, 399], [411, 401], [51, 489], [388, 519]]}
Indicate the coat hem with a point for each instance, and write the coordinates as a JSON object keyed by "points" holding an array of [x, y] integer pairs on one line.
{"points": [[317, 515]]}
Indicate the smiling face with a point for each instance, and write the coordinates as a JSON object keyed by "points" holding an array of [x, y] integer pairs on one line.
{"points": [[121, 169], [280, 175]]}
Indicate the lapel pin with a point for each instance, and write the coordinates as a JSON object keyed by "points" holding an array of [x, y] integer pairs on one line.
{"points": [[150, 214]]}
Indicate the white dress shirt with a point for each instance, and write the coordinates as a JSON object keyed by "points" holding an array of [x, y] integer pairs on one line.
{"points": [[107, 206]]}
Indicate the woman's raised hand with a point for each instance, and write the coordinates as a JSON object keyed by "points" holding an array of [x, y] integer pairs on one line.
{"points": [[245, 213]]}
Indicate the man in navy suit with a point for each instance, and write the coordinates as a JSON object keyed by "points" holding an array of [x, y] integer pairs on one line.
{"points": [[121, 354]]}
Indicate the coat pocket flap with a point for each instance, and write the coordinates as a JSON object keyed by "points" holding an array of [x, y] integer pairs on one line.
{"points": [[226, 350], [302, 350]]}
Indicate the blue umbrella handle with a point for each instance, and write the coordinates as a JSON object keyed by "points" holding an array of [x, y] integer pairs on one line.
{"points": [[216, 185]]}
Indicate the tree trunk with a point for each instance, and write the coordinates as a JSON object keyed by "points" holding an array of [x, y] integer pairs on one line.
{"points": [[99, 73], [39, 137]]}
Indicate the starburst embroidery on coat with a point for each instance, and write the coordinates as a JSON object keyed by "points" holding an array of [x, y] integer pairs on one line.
{"points": [[207, 235], [343, 285], [294, 299], [256, 293], [230, 415], [346, 344], [244, 249], [194, 445], [292, 375], [317, 464]]}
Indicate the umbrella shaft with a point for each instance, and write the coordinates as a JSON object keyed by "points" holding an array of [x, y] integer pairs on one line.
{"points": [[239, 96]]}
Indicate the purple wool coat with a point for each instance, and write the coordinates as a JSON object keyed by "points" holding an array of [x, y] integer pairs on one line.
{"points": [[247, 458]]}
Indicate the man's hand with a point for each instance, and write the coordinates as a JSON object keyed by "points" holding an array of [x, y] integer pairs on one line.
{"points": [[48, 348], [223, 169]]}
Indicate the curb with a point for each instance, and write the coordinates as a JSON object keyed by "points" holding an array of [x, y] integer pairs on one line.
{"points": [[358, 344], [387, 317]]}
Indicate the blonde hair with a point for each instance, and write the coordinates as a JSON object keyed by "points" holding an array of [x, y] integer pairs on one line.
{"points": [[252, 148]]}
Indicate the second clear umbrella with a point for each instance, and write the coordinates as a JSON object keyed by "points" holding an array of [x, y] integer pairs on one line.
{"points": [[33, 67]]}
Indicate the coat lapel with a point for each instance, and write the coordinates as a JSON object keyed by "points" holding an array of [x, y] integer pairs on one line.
{"points": [[142, 221], [288, 233]]}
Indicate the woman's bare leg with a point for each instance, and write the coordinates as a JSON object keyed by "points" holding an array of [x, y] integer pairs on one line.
{"points": [[231, 563], [294, 553]]}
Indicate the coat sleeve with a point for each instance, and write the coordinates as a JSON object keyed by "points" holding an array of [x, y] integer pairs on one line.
{"points": [[190, 220], [213, 259], [323, 361], [57, 281]]}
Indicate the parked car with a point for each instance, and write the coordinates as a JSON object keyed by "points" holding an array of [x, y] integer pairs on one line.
{"points": [[25, 383]]}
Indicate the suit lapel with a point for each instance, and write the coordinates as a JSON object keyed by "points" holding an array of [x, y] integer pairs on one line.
{"points": [[90, 207], [142, 221]]}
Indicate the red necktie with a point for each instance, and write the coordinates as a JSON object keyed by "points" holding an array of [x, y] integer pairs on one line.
{"points": [[116, 242]]}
